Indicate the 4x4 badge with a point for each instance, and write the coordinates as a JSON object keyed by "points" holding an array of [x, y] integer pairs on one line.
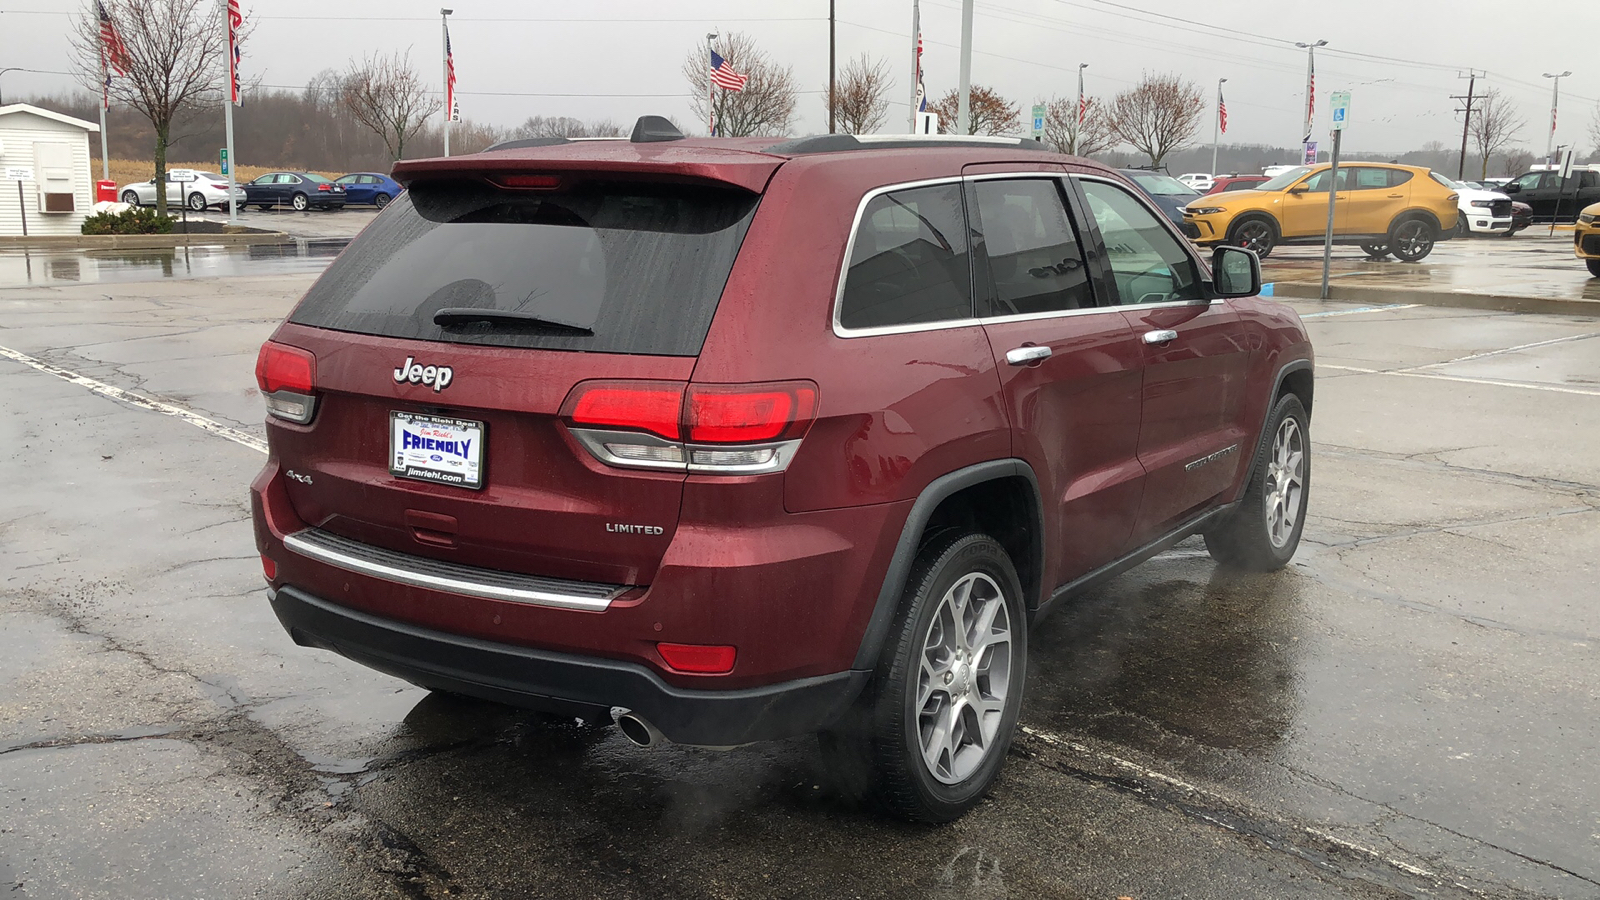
{"points": [[416, 373]]}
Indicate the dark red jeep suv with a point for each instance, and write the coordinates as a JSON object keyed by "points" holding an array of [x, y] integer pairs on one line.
{"points": [[727, 440]]}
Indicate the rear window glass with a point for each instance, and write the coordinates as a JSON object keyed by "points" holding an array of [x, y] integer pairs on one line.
{"points": [[640, 266], [909, 263]]}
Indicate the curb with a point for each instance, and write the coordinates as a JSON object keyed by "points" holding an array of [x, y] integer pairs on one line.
{"points": [[139, 241], [1459, 299]]}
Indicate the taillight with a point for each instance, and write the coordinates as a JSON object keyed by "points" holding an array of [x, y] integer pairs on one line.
{"points": [[700, 659], [529, 182], [324, 187], [722, 428], [218, 187], [287, 377]]}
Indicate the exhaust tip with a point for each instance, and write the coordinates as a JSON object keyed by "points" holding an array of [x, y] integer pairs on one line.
{"points": [[635, 729]]}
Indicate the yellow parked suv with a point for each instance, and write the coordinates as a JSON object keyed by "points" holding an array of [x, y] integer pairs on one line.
{"points": [[1586, 237], [1385, 209]]}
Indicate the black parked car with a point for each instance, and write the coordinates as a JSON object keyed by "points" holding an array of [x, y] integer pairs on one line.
{"points": [[1544, 191], [1170, 194], [300, 190]]}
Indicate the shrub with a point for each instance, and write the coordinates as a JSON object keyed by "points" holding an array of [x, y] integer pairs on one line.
{"points": [[137, 220]]}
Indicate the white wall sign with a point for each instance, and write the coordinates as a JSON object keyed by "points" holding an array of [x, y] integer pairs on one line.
{"points": [[19, 173]]}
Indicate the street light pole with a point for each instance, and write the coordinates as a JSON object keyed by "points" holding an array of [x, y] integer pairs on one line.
{"points": [[711, 88], [833, 95], [1555, 97], [2, 73], [1077, 126], [1311, 85], [1216, 127], [449, 95], [964, 95]]}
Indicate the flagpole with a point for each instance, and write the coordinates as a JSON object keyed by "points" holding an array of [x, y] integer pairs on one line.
{"points": [[916, 59], [711, 89], [227, 112], [449, 95], [1216, 127], [105, 103]]}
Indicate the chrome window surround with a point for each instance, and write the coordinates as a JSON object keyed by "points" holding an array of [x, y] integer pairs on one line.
{"points": [[595, 441], [840, 330], [470, 581]]}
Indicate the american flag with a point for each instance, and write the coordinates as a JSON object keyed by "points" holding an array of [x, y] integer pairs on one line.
{"points": [[1083, 108], [452, 109], [1222, 112], [113, 53], [235, 21], [723, 75]]}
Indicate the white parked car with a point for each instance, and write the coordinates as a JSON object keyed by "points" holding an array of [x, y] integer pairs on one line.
{"points": [[210, 189], [1200, 181], [1483, 212]]}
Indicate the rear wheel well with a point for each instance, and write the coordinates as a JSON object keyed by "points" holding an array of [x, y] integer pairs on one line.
{"points": [[1424, 215], [1006, 509], [1299, 383]]}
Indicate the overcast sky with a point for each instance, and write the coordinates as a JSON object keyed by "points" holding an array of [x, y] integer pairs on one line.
{"points": [[618, 59]]}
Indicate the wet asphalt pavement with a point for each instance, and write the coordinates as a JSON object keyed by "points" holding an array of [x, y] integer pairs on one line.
{"points": [[1411, 709]]}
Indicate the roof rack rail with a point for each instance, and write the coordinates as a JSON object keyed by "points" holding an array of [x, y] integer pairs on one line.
{"points": [[834, 143], [523, 143]]}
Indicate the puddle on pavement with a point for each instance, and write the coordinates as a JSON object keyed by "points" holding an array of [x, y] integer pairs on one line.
{"points": [[21, 267]]}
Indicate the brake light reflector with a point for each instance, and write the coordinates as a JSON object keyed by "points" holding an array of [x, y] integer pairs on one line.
{"points": [[280, 367], [743, 414], [269, 568], [639, 406], [700, 659]]}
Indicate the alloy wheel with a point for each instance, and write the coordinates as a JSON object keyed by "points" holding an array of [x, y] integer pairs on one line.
{"points": [[1285, 482], [1412, 240], [1254, 236], [964, 678]]}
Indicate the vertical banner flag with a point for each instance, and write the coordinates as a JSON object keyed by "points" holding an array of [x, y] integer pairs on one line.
{"points": [[113, 54], [1311, 96], [235, 21], [922, 92], [452, 107], [1222, 112]]}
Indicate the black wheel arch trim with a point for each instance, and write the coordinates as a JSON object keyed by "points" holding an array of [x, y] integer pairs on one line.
{"points": [[1301, 364], [905, 551]]}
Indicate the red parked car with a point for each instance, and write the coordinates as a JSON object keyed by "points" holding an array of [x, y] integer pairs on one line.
{"points": [[727, 440], [1235, 183]]}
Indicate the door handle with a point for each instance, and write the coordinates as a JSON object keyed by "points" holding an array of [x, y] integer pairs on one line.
{"points": [[1024, 356], [1164, 336], [1396, 196]]}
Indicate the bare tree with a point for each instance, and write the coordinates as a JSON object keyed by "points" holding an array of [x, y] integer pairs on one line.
{"points": [[1158, 115], [175, 52], [1594, 127], [1061, 120], [1493, 124], [991, 113], [767, 103], [861, 95], [387, 95], [1516, 162], [566, 127]]}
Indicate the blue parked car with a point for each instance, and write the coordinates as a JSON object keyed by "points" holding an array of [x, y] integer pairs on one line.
{"points": [[370, 187]]}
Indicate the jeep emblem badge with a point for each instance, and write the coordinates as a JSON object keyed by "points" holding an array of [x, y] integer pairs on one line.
{"points": [[416, 373]]}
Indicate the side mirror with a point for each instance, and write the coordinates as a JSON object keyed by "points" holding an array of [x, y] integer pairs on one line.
{"points": [[1511, 188], [1299, 188], [1235, 272]]}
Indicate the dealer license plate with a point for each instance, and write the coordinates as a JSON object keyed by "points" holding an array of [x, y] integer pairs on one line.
{"points": [[437, 449]]}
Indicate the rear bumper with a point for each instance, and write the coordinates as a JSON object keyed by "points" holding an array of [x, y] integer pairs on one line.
{"points": [[560, 682]]}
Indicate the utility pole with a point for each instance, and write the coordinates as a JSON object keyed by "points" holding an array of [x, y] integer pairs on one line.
{"points": [[1216, 127], [1311, 85], [964, 94], [1077, 126], [833, 96], [1466, 122], [1555, 97]]}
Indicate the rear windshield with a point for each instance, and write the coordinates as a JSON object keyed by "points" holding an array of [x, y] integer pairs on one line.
{"points": [[640, 266]]}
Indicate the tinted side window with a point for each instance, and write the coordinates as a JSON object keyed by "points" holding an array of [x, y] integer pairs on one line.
{"points": [[1148, 262], [1398, 177], [909, 264], [1589, 180], [1034, 256], [1529, 181]]}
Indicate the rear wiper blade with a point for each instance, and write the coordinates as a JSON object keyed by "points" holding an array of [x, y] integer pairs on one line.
{"points": [[461, 315]]}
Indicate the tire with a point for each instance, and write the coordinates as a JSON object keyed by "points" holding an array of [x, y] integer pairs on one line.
{"points": [[1461, 229], [380, 201], [300, 202], [894, 746], [1262, 532], [1411, 240], [130, 198], [1376, 251], [1594, 267], [197, 202], [1254, 233]]}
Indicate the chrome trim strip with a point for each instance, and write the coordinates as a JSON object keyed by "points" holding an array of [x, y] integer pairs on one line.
{"points": [[460, 585], [595, 440]]}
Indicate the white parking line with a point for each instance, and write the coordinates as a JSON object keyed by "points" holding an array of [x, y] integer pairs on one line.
{"points": [[1493, 382], [1518, 348], [210, 426], [1364, 309]]}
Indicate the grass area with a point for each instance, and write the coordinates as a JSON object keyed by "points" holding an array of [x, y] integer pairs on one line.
{"points": [[127, 171]]}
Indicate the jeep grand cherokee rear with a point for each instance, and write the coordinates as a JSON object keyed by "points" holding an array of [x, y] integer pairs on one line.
{"points": [[731, 440]]}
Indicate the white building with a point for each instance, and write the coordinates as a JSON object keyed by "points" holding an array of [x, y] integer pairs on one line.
{"points": [[56, 150]]}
